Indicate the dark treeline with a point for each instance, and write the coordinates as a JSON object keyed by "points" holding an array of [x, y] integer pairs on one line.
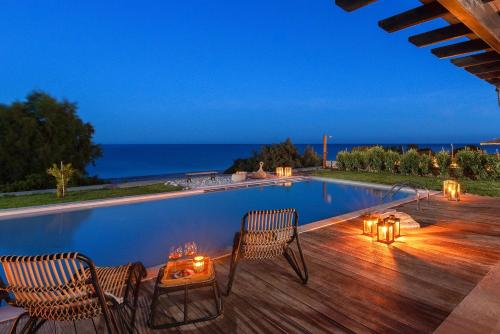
{"points": [[40, 131], [277, 155]]}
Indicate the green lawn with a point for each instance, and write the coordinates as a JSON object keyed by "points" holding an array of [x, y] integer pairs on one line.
{"points": [[485, 188], [8, 202]]}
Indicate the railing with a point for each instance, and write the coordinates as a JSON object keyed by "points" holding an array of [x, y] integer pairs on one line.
{"points": [[399, 186]]}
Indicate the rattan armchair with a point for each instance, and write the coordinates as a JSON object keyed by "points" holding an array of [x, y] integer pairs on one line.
{"points": [[265, 235], [68, 287]]}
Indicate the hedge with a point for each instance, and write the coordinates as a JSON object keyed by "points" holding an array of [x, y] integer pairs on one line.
{"points": [[474, 164]]}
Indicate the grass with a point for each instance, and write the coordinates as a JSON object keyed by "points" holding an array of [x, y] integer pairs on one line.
{"points": [[9, 202], [481, 187]]}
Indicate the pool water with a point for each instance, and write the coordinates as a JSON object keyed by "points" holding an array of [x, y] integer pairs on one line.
{"points": [[145, 231]]}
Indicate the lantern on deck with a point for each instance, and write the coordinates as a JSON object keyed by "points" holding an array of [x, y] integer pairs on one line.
{"points": [[370, 225], [279, 171], [397, 225], [385, 231], [451, 190], [288, 171]]}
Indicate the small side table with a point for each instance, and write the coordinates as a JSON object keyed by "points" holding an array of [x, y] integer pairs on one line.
{"points": [[166, 283]]}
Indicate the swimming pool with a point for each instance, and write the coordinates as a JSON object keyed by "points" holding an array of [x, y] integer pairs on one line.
{"points": [[145, 231]]}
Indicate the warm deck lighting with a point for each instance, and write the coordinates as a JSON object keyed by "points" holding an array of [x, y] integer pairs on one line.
{"points": [[397, 225], [370, 225], [199, 264], [279, 172], [451, 190], [288, 171], [385, 231]]}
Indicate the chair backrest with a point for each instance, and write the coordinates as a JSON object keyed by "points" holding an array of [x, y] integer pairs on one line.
{"points": [[266, 233], [54, 287]]}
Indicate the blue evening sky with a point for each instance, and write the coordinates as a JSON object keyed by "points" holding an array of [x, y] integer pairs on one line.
{"points": [[226, 71]]}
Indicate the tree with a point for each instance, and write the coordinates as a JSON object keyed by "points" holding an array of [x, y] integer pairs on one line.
{"points": [[62, 175], [38, 132], [276, 155]]}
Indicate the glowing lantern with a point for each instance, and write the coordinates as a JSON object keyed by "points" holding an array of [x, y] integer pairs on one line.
{"points": [[397, 225], [279, 172], [370, 225], [199, 264], [451, 190], [385, 231], [288, 171]]}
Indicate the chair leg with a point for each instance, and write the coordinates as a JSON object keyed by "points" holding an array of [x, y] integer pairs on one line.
{"points": [[234, 263], [289, 255], [137, 273], [30, 327]]}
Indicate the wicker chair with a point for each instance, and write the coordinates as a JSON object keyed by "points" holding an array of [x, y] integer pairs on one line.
{"points": [[68, 287], [268, 234]]}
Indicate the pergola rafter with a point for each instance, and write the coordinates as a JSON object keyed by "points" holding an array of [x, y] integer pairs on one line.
{"points": [[476, 22]]}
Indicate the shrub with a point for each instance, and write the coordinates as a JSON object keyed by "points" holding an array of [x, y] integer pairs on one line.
{"points": [[390, 160], [62, 175], [375, 159], [425, 164], [310, 158], [31, 182], [443, 160], [350, 162], [276, 155], [359, 160], [410, 162], [341, 159], [471, 163]]}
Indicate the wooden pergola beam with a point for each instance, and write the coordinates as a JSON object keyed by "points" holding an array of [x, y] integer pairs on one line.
{"points": [[494, 82], [413, 17], [477, 59], [479, 17], [439, 35], [351, 5], [484, 68], [489, 75], [458, 49]]}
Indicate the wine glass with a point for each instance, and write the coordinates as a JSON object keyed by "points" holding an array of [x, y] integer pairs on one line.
{"points": [[175, 254], [190, 249]]}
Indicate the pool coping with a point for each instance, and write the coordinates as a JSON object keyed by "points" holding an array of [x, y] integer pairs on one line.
{"points": [[8, 312], [72, 206]]}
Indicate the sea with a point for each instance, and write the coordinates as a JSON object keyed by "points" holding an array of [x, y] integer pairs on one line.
{"points": [[132, 162]]}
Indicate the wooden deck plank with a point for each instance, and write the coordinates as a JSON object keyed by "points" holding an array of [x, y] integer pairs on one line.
{"points": [[357, 285]]}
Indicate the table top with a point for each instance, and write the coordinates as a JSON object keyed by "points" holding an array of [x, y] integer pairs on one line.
{"points": [[206, 275]]}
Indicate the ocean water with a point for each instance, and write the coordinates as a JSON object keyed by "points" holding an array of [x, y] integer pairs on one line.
{"points": [[153, 160]]}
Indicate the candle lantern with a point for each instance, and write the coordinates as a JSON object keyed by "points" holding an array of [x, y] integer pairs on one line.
{"points": [[199, 264], [370, 225], [397, 225], [385, 231], [288, 171], [451, 190], [279, 171]]}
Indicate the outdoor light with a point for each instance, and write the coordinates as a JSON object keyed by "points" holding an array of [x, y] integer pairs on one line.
{"points": [[385, 231], [370, 225], [451, 190], [199, 264], [397, 225], [288, 171], [279, 172]]}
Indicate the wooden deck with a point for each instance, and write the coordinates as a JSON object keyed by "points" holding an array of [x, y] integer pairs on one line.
{"points": [[360, 286]]}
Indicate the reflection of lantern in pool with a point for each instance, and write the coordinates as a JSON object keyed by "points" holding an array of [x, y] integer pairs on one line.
{"points": [[451, 190], [370, 225], [288, 171], [279, 171], [385, 231]]}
